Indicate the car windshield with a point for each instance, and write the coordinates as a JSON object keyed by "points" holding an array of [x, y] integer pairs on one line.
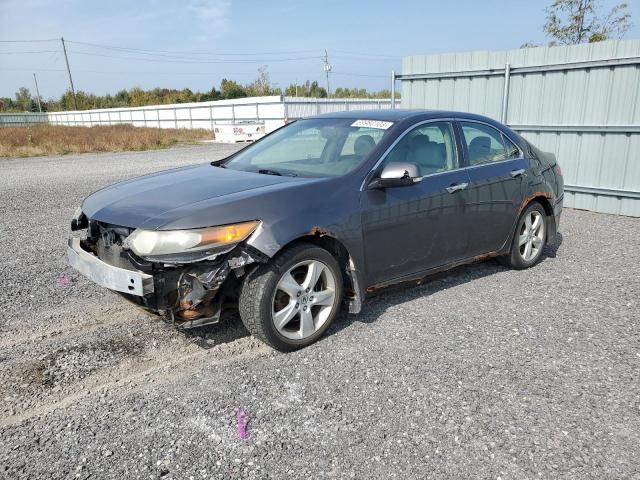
{"points": [[324, 147]]}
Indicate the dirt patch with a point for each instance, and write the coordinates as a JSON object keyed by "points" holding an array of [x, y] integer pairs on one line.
{"points": [[71, 364], [26, 382]]}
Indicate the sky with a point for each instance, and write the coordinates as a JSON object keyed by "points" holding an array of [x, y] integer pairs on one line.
{"points": [[195, 43]]}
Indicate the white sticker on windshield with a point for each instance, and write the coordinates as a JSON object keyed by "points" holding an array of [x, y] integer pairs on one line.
{"points": [[372, 124]]}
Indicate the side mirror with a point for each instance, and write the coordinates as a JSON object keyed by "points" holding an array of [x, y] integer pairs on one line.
{"points": [[397, 175]]}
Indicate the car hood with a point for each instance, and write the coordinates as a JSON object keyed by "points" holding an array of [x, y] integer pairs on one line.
{"points": [[148, 201]]}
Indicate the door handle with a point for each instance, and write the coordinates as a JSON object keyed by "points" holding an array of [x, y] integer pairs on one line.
{"points": [[457, 186], [521, 172]]}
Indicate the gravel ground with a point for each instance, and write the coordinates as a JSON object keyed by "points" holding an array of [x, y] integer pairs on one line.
{"points": [[481, 372]]}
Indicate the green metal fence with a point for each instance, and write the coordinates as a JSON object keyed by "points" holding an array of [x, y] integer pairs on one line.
{"points": [[581, 102]]}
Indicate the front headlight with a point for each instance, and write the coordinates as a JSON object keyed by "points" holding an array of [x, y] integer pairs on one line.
{"points": [[207, 241]]}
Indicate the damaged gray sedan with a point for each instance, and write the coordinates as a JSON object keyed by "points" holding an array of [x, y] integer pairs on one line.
{"points": [[317, 215]]}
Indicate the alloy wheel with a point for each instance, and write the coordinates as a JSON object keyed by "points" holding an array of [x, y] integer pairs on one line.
{"points": [[531, 239], [303, 300]]}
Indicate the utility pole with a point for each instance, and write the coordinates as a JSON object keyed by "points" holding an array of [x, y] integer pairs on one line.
{"points": [[66, 59], [327, 69], [37, 93]]}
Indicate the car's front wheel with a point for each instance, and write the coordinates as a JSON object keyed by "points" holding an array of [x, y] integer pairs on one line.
{"points": [[291, 301], [529, 239]]}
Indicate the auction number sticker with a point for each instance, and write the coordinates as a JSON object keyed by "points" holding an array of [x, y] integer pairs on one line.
{"points": [[372, 124]]}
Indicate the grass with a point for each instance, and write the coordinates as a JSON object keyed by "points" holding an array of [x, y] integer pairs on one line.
{"points": [[57, 139]]}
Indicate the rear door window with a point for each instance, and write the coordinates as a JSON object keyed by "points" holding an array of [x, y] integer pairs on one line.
{"points": [[486, 144]]}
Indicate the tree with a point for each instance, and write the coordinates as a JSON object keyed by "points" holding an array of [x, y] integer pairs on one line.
{"points": [[121, 98], [307, 89], [261, 86], [24, 102], [312, 89], [571, 22], [315, 90], [138, 97], [212, 94], [292, 90], [230, 89]]}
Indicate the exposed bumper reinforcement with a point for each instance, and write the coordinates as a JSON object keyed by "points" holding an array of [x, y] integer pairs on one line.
{"points": [[105, 275]]}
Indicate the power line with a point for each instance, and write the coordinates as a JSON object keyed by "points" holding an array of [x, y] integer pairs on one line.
{"points": [[363, 55], [345, 54], [54, 57], [187, 52], [115, 72], [28, 51], [364, 59], [182, 59], [372, 55], [196, 61], [30, 41], [194, 57], [32, 69], [359, 75]]}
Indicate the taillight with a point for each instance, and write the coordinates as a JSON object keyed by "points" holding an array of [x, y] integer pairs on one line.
{"points": [[558, 170]]}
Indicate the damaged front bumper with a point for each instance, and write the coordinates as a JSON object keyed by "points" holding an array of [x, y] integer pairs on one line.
{"points": [[108, 276], [188, 295]]}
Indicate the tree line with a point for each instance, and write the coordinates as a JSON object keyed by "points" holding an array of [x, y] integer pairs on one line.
{"points": [[25, 101]]}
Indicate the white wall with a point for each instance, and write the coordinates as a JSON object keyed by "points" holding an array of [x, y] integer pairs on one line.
{"points": [[273, 110]]}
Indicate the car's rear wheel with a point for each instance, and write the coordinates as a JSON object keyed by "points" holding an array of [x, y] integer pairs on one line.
{"points": [[529, 239], [290, 302]]}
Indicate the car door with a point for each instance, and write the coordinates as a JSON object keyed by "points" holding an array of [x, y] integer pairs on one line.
{"points": [[410, 229], [496, 169]]}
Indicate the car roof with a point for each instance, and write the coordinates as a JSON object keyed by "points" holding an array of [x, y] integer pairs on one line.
{"points": [[395, 115]]}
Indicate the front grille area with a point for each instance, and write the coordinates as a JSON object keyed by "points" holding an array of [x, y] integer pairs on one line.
{"points": [[107, 243], [112, 255]]}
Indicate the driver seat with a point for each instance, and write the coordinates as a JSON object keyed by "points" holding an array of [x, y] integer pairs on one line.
{"points": [[363, 145]]}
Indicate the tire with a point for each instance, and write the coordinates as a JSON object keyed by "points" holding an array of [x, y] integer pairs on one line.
{"points": [[519, 256], [269, 295]]}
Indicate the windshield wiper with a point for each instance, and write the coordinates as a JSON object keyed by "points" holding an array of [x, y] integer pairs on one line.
{"points": [[266, 171]]}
